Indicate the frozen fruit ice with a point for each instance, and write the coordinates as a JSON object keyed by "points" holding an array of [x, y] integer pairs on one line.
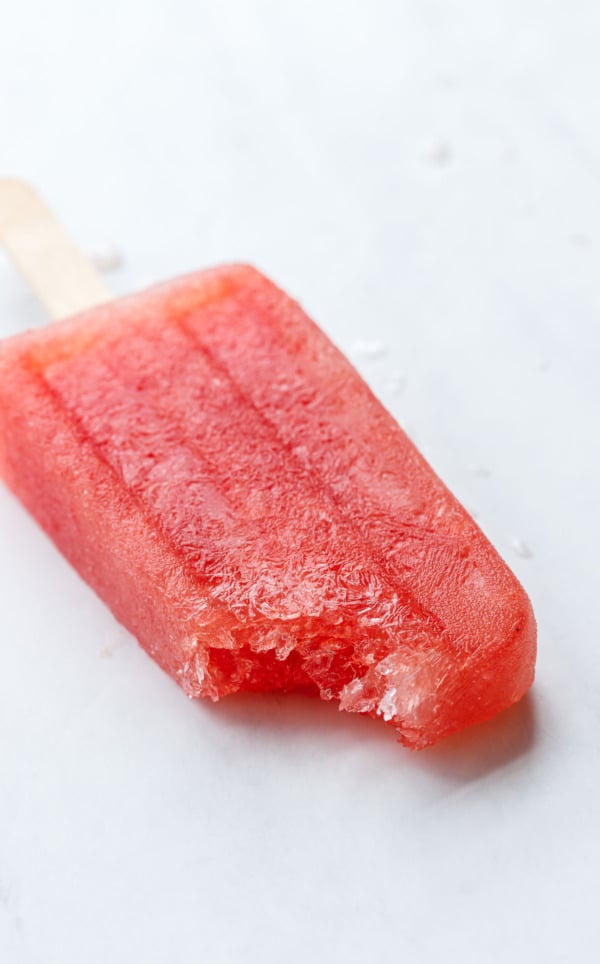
{"points": [[224, 479]]}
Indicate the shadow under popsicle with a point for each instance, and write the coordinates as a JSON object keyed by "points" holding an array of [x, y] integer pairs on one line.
{"points": [[466, 756]]}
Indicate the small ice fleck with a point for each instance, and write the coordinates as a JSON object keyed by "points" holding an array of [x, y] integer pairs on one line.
{"points": [[369, 349], [522, 549], [106, 257], [580, 240], [542, 364], [447, 81], [480, 472], [438, 152], [387, 705], [200, 667], [396, 385]]}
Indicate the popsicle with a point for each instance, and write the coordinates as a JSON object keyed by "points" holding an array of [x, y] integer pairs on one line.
{"points": [[228, 484]]}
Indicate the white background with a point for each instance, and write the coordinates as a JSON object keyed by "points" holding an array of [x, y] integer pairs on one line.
{"points": [[421, 174]]}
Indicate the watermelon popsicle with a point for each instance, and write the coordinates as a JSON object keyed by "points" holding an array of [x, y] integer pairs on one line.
{"points": [[227, 483]]}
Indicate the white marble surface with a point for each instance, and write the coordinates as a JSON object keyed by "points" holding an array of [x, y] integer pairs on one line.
{"points": [[425, 177]]}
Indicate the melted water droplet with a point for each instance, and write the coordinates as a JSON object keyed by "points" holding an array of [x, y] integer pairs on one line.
{"points": [[580, 240], [106, 257], [522, 549], [369, 349], [438, 152], [396, 385]]}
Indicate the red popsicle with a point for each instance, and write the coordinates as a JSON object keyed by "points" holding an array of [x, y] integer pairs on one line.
{"points": [[228, 484]]}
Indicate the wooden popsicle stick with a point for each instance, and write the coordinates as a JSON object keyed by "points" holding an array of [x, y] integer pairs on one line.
{"points": [[60, 276]]}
